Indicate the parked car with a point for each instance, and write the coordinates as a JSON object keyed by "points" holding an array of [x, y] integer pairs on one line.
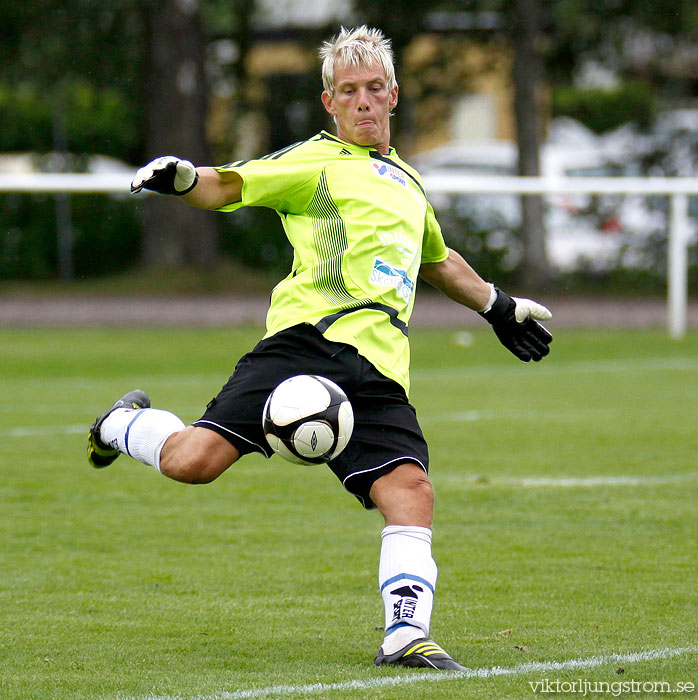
{"points": [[574, 236], [595, 232]]}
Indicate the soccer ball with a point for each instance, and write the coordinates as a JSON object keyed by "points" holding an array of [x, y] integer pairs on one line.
{"points": [[307, 419]]}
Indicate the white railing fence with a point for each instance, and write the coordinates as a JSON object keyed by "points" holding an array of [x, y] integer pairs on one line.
{"points": [[678, 190]]}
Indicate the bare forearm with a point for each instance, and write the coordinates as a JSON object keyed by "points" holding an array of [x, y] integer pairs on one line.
{"points": [[458, 281], [214, 189]]}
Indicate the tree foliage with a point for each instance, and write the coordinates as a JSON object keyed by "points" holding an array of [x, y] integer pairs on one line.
{"points": [[75, 63], [75, 75], [95, 120], [53, 40], [579, 30]]}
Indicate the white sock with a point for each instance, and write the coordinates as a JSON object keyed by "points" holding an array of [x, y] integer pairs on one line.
{"points": [[140, 433], [407, 578]]}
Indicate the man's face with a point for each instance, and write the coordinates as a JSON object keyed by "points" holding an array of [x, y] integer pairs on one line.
{"points": [[361, 104]]}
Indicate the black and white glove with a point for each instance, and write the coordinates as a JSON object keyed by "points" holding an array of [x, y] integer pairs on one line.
{"points": [[515, 322], [166, 175]]}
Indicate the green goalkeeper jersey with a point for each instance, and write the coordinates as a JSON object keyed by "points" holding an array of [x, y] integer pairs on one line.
{"points": [[360, 226]]}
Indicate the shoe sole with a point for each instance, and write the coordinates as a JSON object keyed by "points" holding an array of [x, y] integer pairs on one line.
{"points": [[421, 653]]}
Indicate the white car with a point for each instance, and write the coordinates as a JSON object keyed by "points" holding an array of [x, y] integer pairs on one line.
{"points": [[575, 236]]}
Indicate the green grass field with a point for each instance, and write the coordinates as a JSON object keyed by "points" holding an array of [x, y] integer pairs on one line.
{"points": [[566, 529]]}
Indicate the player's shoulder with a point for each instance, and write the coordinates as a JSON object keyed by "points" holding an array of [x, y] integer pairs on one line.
{"points": [[321, 147], [317, 148]]}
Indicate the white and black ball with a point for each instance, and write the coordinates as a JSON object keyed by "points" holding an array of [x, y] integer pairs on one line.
{"points": [[308, 419]]}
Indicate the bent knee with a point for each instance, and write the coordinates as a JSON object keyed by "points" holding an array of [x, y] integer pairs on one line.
{"points": [[405, 496], [409, 477], [419, 484]]}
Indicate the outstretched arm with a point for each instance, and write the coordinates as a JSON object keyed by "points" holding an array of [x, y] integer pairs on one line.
{"points": [[214, 189], [513, 320], [204, 187]]}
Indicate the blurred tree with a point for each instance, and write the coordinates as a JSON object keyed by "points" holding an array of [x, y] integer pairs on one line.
{"points": [[603, 109], [526, 36], [175, 109], [125, 78], [632, 38], [45, 51], [230, 37], [74, 62]]}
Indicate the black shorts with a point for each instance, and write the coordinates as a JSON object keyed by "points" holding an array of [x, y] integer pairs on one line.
{"points": [[386, 431]]}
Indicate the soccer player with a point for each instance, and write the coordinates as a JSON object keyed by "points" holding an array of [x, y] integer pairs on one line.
{"points": [[362, 229]]}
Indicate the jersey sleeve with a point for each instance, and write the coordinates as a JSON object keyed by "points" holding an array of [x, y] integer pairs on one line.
{"points": [[285, 181], [434, 248]]}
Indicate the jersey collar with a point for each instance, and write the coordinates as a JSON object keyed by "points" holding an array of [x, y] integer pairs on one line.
{"points": [[360, 149]]}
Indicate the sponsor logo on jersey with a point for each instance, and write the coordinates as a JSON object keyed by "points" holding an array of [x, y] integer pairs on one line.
{"points": [[391, 172], [386, 275], [407, 248]]}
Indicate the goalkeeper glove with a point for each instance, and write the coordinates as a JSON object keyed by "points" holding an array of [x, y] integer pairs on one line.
{"points": [[513, 321], [166, 175]]}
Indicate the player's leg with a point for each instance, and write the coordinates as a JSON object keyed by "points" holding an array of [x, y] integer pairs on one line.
{"points": [[158, 438], [385, 465], [230, 427], [407, 572], [404, 496]]}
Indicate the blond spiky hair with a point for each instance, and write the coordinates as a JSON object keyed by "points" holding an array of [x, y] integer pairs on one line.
{"points": [[362, 46]]}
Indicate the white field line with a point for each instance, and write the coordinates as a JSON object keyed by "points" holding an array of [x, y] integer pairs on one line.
{"points": [[594, 481], [682, 364], [208, 379], [306, 691], [471, 479], [43, 430], [460, 416], [472, 416], [591, 482], [433, 374]]}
